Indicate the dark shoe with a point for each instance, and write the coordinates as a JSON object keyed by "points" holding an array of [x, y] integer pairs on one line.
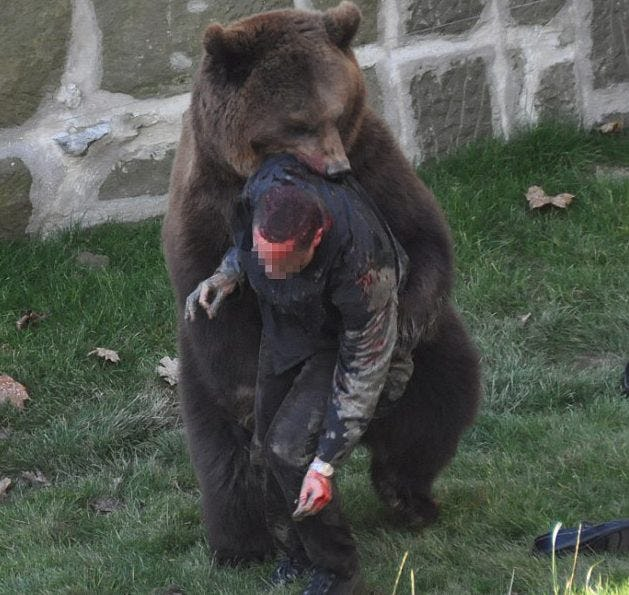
{"points": [[612, 536], [326, 582], [287, 571]]}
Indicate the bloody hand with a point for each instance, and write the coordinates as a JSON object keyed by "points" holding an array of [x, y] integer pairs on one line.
{"points": [[316, 492]]}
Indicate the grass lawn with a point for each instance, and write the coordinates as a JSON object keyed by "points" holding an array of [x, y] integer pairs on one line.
{"points": [[551, 443]]}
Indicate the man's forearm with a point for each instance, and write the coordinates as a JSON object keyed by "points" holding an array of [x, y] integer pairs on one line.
{"points": [[361, 370], [230, 265]]}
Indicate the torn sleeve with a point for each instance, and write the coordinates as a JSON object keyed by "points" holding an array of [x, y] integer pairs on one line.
{"points": [[361, 369]]}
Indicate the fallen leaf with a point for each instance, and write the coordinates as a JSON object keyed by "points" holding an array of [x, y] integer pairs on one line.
{"points": [[168, 369], [538, 198], [107, 354], [562, 200], [106, 505], [36, 478], [611, 127], [28, 318], [5, 484], [12, 392], [524, 319]]}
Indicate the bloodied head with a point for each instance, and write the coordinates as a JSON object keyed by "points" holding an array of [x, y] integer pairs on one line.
{"points": [[288, 225]]}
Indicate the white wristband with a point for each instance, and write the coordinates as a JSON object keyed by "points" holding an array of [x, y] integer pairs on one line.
{"points": [[322, 467]]}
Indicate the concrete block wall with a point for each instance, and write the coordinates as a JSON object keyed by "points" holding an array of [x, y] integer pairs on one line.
{"points": [[92, 91]]}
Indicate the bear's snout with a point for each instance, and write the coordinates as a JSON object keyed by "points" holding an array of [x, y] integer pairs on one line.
{"points": [[338, 168]]}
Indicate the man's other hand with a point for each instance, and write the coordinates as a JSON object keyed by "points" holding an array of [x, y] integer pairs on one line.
{"points": [[218, 285]]}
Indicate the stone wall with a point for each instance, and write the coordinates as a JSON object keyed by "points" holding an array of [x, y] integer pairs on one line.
{"points": [[92, 91]]}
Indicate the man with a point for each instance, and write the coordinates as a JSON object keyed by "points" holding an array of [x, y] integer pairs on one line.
{"points": [[327, 272]]}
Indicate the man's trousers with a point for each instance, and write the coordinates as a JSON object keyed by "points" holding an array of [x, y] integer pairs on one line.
{"points": [[289, 413]]}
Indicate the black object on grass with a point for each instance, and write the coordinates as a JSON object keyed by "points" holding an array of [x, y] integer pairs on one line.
{"points": [[612, 536]]}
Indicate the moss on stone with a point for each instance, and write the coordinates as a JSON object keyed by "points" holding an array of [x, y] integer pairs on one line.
{"points": [[33, 43], [15, 203]]}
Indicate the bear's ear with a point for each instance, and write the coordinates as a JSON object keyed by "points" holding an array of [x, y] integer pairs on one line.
{"points": [[230, 49], [342, 22]]}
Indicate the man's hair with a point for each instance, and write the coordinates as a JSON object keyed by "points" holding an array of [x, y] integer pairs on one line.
{"points": [[289, 213]]}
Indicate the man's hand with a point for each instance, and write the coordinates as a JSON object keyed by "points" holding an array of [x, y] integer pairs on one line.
{"points": [[316, 492], [220, 285]]}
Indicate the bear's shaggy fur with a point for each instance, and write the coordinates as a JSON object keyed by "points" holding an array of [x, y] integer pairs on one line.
{"points": [[287, 81]]}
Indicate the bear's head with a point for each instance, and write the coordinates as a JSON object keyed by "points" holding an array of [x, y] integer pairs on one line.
{"points": [[282, 81]]}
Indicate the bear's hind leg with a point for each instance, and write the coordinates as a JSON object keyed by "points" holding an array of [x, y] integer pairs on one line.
{"points": [[405, 486], [413, 443]]}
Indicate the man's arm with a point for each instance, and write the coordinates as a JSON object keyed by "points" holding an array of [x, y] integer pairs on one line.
{"points": [[361, 370], [367, 343]]}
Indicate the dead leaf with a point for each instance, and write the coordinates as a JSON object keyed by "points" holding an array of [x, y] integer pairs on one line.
{"points": [[36, 478], [168, 369], [12, 392], [611, 127], [29, 318], [524, 319], [5, 485], [106, 505], [561, 200], [538, 198], [108, 355]]}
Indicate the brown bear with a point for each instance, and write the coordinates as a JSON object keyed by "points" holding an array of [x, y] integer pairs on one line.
{"points": [[287, 82]]}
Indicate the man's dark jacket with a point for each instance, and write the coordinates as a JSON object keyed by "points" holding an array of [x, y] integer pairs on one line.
{"points": [[345, 298]]}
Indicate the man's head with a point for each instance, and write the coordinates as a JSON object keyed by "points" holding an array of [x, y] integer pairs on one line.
{"points": [[288, 225]]}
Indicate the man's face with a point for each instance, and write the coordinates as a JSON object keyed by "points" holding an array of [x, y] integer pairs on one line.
{"points": [[281, 259]]}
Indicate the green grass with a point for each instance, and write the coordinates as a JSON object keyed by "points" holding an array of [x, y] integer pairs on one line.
{"points": [[551, 443]]}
